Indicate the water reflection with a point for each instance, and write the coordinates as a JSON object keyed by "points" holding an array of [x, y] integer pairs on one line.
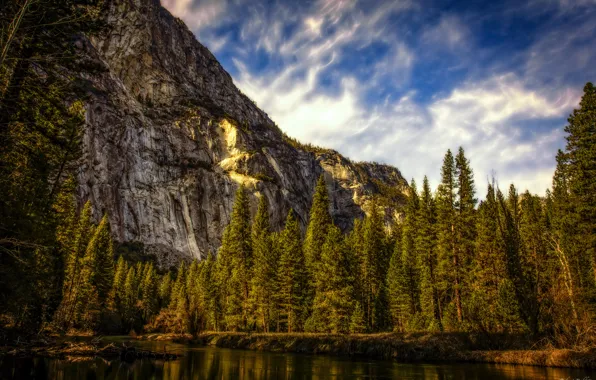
{"points": [[214, 363]]}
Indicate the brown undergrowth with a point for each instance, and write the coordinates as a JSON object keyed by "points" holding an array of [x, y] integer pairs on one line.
{"points": [[414, 347]]}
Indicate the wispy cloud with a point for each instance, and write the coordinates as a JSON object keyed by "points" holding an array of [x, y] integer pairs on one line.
{"points": [[398, 82]]}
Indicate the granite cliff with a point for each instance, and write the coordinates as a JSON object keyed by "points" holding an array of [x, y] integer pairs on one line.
{"points": [[169, 138]]}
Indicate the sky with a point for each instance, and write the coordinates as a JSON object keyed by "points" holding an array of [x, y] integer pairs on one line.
{"points": [[400, 82]]}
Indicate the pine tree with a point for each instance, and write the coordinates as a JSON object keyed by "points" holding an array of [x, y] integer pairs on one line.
{"points": [[130, 299], [446, 227], [394, 287], [235, 265], [206, 283], [465, 225], [355, 242], [179, 304], [118, 284], [100, 257], [580, 165], [72, 301], [149, 296], [318, 226], [572, 237], [165, 289], [375, 262], [357, 322], [427, 255], [333, 303], [292, 275], [408, 275], [265, 267], [522, 286]]}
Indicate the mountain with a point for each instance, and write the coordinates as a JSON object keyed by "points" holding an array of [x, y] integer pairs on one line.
{"points": [[169, 138]]}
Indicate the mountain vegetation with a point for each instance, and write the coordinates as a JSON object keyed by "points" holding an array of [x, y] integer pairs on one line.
{"points": [[511, 263]]}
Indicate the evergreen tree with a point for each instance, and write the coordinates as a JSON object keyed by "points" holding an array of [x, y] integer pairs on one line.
{"points": [[118, 284], [375, 261], [333, 304], [263, 284], [149, 297], [523, 286], [465, 225], [130, 299], [292, 275], [100, 258], [408, 275], [446, 227], [235, 265], [395, 289], [427, 255], [580, 166], [209, 293], [72, 300], [318, 227]]}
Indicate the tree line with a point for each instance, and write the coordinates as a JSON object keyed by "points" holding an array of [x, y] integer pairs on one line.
{"points": [[512, 263]]}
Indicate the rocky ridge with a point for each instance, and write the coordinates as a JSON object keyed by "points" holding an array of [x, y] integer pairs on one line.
{"points": [[169, 138]]}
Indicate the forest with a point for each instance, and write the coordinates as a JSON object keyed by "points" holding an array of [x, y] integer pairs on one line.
{"points": [[514, 262]]}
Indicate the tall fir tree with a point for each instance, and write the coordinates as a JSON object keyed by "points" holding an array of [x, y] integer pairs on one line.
{"points": [[292, 275], [427, 256], [263, 282], [465, 226], [446, 226], [319, 224], [409, 275], [235, 265], [375, 261], [333, 303]]}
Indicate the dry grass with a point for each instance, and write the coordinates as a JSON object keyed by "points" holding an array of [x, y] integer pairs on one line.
{"points": [[412, 347]]}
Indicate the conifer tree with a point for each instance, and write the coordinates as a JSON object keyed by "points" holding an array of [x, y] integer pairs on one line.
{"points": [[427, 255], [292, 275], [130, 299], [523, 286], [580, 165], [408, 275], [394, 287], [100, 258], [264, 280], [333, 303], [235, 264], [464, 228], [165, 290], [318, 226], [572, 237], [446, 227], [375, 262], [357, 322], [355, 242], [72, 301], [206, 282], [118, 284], [149, 297]]}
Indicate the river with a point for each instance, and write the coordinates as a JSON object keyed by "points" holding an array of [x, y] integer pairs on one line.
{"points": [[218, 363]]}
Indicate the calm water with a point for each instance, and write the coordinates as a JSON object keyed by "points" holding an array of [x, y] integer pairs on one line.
{"points": [[218, 363]]}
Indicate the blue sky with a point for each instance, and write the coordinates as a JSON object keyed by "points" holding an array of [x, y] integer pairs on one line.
{"points": [[400, 82]]}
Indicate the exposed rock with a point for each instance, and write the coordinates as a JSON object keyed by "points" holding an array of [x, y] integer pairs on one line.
{"points": [[170, 138]]}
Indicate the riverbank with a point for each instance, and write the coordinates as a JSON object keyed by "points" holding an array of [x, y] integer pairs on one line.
{"points": [[443, 347], [89, 347]]}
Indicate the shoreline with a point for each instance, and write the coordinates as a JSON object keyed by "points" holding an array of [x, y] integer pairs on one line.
{"points": [[407, 348]]}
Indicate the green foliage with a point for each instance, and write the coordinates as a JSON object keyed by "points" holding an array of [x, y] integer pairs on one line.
{"points": [[333, 304], [291, 276]]}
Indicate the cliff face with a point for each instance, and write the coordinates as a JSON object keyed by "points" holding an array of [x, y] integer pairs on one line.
{"points": [[169, 139]]}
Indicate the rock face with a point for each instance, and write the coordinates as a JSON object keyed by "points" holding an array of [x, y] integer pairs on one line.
{"points": [[170, 138]]}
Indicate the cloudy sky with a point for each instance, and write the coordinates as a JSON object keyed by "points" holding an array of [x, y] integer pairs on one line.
{"points": [[400, 82]]}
